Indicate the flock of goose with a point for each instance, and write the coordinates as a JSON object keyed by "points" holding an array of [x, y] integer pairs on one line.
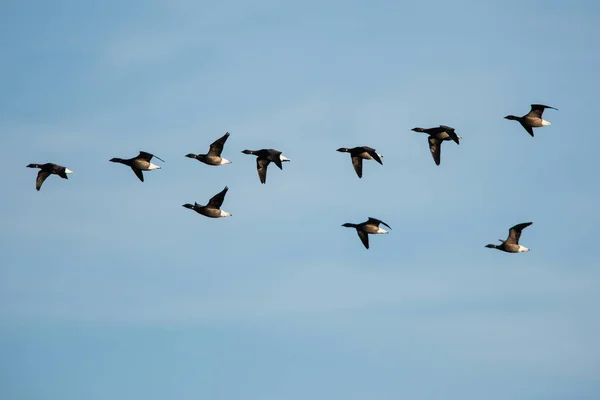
{"points": [[264, 157]]}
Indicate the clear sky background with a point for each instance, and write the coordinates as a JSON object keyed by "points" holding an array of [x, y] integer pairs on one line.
{"points": [[109, 289]]}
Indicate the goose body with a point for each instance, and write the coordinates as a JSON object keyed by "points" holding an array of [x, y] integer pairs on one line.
{"points": [[438, 135], [139, 163], [511, 244], [533, 119], [213, 157], [49, 169], [213, 208], [360, 153], [370, 226], [263, 158]]}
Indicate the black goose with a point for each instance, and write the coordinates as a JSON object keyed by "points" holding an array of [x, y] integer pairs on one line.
{"points": [[213, 157], [139, 163], [511, 244], [436, 136], [533, 119], [361, 153], [213, 208], [371, 226], [48, 169], [263, 158]]}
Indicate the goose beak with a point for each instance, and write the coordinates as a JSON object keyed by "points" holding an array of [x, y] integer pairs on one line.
{"points": [[68, 171]]}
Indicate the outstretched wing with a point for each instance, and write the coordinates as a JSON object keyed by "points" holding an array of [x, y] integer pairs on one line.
{"points": [[376, 222], [514, 233], [374, 154], [147, 156], [435, 146], [138, 173], [276, 158], [217, 200], [450, 131], [528, 128], [538, 109], [357, 163], [41, 177], [216, 147], [364, 237], [261, 166]]}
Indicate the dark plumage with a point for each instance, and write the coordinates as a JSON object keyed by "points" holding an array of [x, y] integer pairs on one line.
{"points": [[263, 158], [533, 119], [213, 157], [436, 136], [48, 169], [213, 208], [361, 153], [371, 226], [139, 163], [511, 244]]}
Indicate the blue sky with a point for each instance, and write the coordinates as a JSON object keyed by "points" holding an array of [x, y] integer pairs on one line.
{"points": [[110, 289]]}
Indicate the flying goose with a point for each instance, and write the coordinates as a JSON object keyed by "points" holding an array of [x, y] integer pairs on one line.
{"points": [[213, 208], [139, 163], [213, 157], [48, 169], [361, 153], [511, 244], [264, 158], [436, 137], [533, 119], [371, 226]]}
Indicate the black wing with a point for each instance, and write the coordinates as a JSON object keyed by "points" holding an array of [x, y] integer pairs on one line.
{"points": [[147, 156], [217, 200], [514, 233], [275, 156], [374, 154], [435, 146], [538, 109], [450, 131], [216, 147], [138, 173], [528, 128], [41, 177], [376, 222], [357, 163], [261, 166], [364, 237]]}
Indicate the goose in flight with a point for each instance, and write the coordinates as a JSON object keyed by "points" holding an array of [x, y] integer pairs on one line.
{"points": [[139, 163], [511, 244], [360, 153], [370, 226], [436, 136], [263, 158], [533, 119], [213, 208], [213, 157], [48, 169]]}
